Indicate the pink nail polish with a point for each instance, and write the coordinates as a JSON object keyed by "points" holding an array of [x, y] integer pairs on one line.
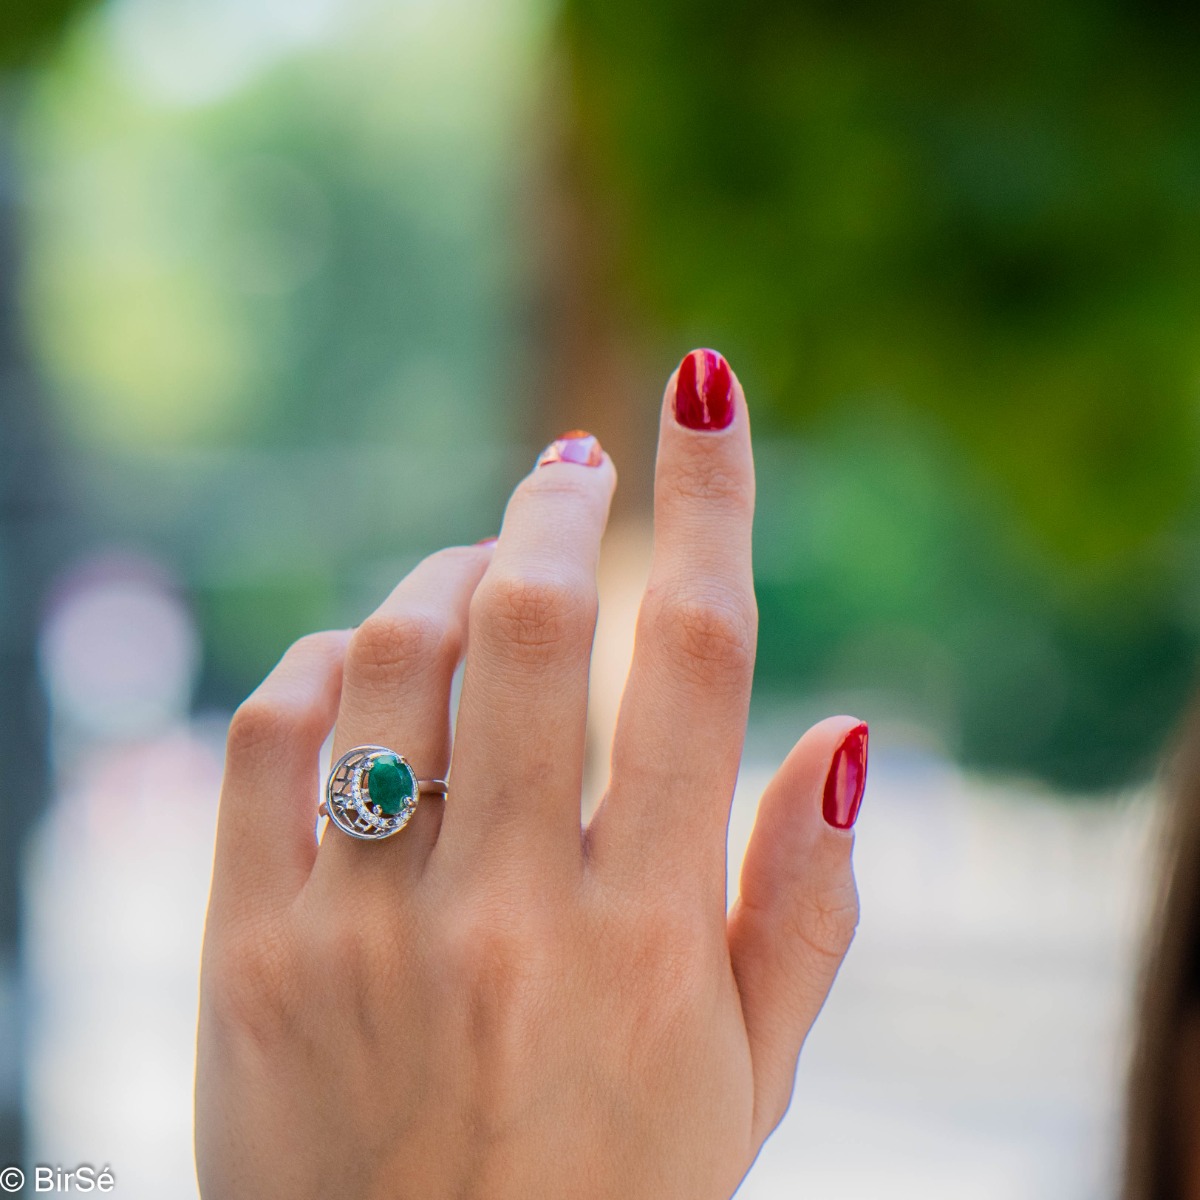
{"points": [[846, 780], [704, 391], [577, 446]]}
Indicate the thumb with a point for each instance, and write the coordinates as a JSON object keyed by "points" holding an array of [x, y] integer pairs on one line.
{"points": [[798, 907]]}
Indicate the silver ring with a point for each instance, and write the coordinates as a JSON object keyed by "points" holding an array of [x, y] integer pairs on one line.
{"points": [[372, 792]]}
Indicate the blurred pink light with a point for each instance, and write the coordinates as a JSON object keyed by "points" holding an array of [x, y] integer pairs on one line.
{"points": [[119, 649]]}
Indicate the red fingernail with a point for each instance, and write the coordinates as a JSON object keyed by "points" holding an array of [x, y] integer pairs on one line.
{"points": [[487, 541], [577, 446], [846, 779], [704, 391]]}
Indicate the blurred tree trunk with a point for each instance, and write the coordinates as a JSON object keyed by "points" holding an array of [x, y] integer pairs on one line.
{"points": [[27, 546], [597, 371]]}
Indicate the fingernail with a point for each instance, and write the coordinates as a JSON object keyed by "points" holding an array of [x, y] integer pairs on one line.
{"points": [[704, 391], [846, 779], [487, 541], [577, 446]]}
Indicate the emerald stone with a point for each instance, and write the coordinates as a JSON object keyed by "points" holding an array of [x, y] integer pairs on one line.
{"points": [[390, 785]]}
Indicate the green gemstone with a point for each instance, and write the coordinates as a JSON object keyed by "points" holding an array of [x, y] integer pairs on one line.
{"points": [[390, 785]]}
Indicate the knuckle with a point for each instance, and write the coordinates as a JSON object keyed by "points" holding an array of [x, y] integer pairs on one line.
{"points": [[551, 485], [671, 986], [824, 924], [533, 618], [659, 953], [345, 948], [279, 711], [482, 945], [358, 962], [675, 928], [499, 966], [570, 492], [707, 478], [245, 980], [712, 634], [388, 645], [260, 723], [675, 954]]}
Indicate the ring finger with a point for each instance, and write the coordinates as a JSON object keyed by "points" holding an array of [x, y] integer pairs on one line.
{"points": [[396, 693]]}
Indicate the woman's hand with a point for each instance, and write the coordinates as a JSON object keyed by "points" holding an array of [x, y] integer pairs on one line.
{"points": [[496, 1003]]}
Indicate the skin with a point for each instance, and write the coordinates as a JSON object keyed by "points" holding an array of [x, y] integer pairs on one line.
{"points": [[497, 1003]]}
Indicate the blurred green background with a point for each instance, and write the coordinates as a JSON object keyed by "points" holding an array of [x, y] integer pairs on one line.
{"points": [[292, 292], [284, 278], [955, 248]]}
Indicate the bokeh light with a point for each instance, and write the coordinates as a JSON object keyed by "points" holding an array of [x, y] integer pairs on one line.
{"points": [[119, 650]]}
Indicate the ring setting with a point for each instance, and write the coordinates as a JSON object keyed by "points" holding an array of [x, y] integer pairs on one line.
{"points": [[372, 792]]}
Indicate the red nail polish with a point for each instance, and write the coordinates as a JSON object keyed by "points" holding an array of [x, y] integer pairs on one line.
{"points": [[704, 391], [846, 779], [487, 541], [577, 446]]}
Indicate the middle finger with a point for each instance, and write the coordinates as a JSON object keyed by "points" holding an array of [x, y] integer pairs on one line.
{"points": [[519, 741]]}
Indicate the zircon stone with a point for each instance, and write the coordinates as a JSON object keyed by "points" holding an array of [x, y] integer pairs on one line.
{"points": [[390, 785]]}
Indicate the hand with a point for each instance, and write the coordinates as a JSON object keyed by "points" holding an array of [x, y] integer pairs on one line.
{"points": [[496, 1004]]}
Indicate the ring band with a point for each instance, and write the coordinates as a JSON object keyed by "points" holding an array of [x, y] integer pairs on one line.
{"points": [[373, 791]]}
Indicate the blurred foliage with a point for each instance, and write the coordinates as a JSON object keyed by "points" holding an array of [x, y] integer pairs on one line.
{"points": [[275, 274], [272, 281], [289, 261], [959, 242], [890, 582], [29, 30]]}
